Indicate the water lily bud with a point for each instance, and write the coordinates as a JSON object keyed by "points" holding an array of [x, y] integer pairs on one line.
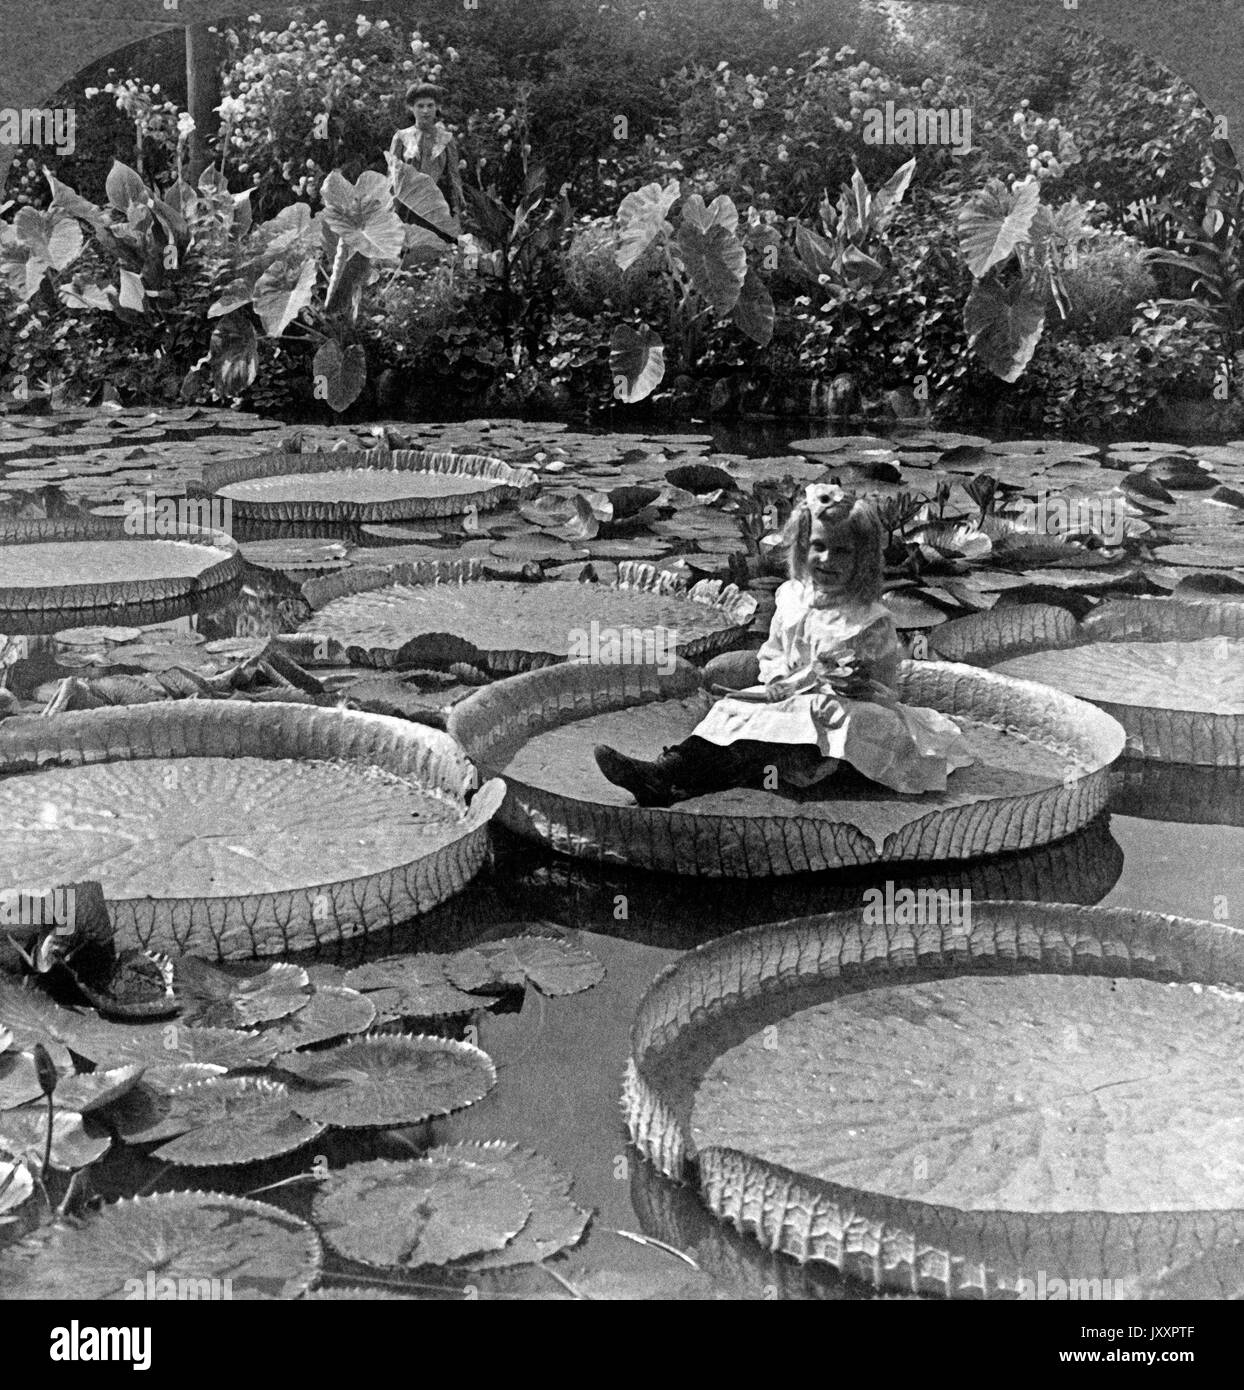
{"points": [[45, 1069]]}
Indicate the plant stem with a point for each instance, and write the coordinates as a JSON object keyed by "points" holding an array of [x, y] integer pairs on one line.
{"points": [[47, 1146]]}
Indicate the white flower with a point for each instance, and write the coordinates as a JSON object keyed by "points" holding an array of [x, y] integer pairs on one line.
{"points": [[185, 125], [90, 92], [230, 109], [1031, 150]]}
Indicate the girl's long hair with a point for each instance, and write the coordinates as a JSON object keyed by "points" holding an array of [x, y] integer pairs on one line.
{"points": [[862, 524]]}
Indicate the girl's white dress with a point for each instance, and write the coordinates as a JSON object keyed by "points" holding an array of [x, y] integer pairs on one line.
{"points": [[905, 748]]}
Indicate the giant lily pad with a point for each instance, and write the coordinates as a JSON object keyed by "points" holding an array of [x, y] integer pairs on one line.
{"points": [[240, 829], [389, 1080], [203, 1242], [982, 638], [54, 575], [646, 616], [1056, 1102], [379, 485], [402, 1215], [1171, 673], [1041, 773]]}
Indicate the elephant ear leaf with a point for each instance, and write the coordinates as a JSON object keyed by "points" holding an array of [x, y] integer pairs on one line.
{"points": [[641, 218], [994, 221], [1004, 324], [282, 292], [418, 193], [636, 362], [716, 261], [340, 375], [754, 313]]}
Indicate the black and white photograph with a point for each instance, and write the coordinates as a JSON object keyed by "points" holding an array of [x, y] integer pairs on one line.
{"points": [[621, 667]]}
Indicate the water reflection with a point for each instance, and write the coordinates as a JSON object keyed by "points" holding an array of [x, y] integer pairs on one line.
{"points": [[1177, 792], [672, 1212], [525, 883]]}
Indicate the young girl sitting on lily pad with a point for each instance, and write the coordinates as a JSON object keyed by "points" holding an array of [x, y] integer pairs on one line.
{"points": [[827, 677]]}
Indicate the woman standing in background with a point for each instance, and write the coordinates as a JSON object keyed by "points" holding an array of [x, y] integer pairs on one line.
{"points": [[430, 146]]}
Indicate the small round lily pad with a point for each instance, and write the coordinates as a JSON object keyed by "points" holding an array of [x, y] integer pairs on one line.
{"points": [[402, 1215], [332, 1012], [552, 965], [556, 1223], [250, 1248], [233, 1120], [413, 986], [382, 1081]]}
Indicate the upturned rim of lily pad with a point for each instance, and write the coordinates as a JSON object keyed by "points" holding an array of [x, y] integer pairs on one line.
{"points": [[508, 482], [718, 844], [884, 1240], [733, 606], [241, 927], [1159, 732], [50, 607]]}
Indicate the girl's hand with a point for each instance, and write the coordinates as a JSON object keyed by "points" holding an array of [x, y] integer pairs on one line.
{"points": [[779, 689]]}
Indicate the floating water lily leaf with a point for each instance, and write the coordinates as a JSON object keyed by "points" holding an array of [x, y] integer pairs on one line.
{"points": [[1222, 554], [19, 1080], [636, 362], [356, 1293], [381, 1081], [333, 1012], [556, 1223], [16, 1185], [317, 856], [217, 999], [1180, 702], [402, 1215], [983, 638], [1053, 1093], [551, 964], [23, 1134], [232, 1120], [190, 1238], [538, 730], [90, 1091], [30, 1017], [517, 625], [156, 1044], [414, 986]]}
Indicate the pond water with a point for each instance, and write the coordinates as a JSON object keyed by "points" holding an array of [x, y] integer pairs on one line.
{"points": [[1172, 842]]}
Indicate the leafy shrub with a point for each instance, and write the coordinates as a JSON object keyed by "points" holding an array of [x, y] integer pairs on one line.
{"points": [[779, 138], [1071, 385], [1103, 287], [279, 82], [593, 278]]}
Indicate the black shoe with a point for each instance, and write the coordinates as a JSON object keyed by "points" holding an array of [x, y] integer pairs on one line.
{"points": [[641, 779]]}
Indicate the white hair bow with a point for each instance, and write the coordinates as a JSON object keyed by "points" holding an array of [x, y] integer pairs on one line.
{"points": [[826, 501]]}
